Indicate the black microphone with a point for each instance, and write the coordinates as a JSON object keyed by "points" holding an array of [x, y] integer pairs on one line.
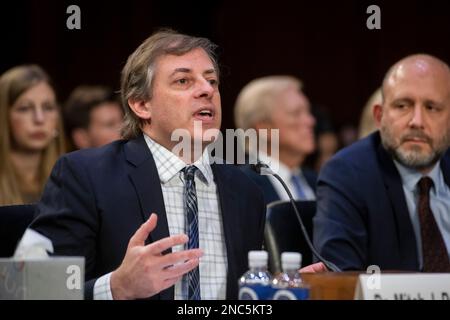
{"points": [[264, 169]]}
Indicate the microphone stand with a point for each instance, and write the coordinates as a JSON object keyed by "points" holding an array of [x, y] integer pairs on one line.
{"points": [[264, 169]]}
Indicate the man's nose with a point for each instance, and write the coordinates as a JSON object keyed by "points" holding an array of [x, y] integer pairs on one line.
{"points": [[310, 120], [417, 117], [206, 89]]}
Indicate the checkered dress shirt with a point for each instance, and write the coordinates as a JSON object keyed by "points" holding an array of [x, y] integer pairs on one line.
{"points": [[213, 264]]}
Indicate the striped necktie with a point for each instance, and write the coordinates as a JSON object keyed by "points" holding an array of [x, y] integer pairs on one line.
{"points": [[191, 209]]}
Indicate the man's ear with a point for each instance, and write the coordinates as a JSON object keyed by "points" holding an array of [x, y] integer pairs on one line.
{"points": [[377, 114], [81, 138], [141, 108]]}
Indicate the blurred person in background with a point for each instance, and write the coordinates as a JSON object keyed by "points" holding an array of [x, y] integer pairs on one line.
{"points": [[277, 102], [327, 140], [93, 117], [367, 123], [31, 133], [327, 145]]}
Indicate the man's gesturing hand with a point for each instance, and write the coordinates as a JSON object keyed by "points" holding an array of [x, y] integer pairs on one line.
{"points": [[145, 271]]}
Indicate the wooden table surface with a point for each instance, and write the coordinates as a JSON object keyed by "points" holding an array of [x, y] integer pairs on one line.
{"points": [[331, 285]]}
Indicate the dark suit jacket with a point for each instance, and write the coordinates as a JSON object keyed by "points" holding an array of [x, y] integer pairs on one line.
{"points": [[264, 183], [362, 217], [96, 199]]}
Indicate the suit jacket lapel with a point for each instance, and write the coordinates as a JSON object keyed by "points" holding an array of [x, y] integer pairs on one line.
{"points": [[230, 214], [145, 178], [269, 190], [445, 167], [405, 232]]}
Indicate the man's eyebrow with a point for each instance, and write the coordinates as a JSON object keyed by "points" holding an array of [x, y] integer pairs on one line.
{"points": [[210, 71], [187, 70], [403, 99], [433, 102], [184, 70]]}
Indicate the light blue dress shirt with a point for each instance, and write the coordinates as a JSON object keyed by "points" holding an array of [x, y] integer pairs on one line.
{"points": [[439, 202]]}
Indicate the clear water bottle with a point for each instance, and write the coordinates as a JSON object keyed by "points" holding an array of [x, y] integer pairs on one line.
{"points": [[289, 285], [255, 284]]}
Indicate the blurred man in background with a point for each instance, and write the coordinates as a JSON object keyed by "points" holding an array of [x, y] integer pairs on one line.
{"points": [[277, 102], [93, 117]]}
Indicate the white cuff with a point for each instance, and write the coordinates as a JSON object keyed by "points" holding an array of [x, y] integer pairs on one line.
{"points": [[102, 288]]}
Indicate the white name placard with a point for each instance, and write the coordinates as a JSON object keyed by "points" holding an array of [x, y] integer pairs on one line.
{"points": [[412, 286]]}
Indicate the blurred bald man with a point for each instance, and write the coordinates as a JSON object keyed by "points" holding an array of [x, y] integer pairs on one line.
{"points": [[385, 200], [278, 102]]}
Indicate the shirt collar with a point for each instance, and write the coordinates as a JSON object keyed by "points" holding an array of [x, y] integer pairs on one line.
{"points": [[278, 167], [203, 164], [169, 165], [411, 177]]}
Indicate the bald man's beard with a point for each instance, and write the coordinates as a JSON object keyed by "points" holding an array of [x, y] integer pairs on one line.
{"points": [[415, 157]]}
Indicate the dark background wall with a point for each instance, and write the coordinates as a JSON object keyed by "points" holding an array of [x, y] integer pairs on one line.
{"points": [[325, 43]]}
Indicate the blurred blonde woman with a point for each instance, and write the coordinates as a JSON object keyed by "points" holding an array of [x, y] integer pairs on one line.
{"points": [[30, 133], [367, 122]]}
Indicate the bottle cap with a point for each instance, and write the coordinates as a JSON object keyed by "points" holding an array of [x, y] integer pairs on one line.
{"points": [[291, 260], [257, 259]]}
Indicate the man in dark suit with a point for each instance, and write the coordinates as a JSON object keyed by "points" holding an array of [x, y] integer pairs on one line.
{"points": [[277, 102], [98, 203], [385, 200]]}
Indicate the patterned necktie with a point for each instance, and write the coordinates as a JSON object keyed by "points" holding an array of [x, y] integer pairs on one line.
{"points": [[190, 203], [434, 252], [298, 187]]}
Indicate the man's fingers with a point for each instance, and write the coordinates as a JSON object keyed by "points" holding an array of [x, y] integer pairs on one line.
{"points": [[162, 245], [180, 269], [315, 268], [170, 282], [138, 239], [175, 258]]}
